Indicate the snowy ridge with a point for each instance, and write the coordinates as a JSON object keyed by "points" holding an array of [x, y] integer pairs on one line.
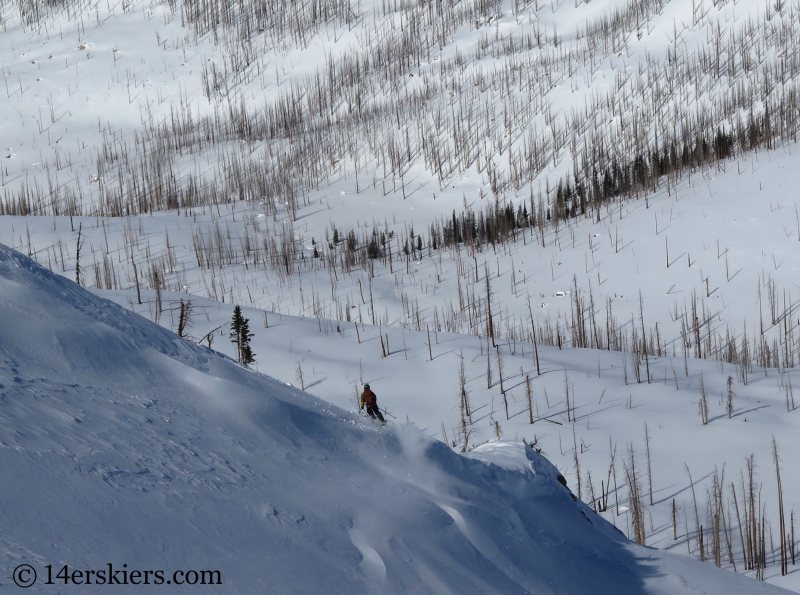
{"points": [[175, 457]]}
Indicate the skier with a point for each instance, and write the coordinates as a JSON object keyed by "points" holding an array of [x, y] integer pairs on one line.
{"points": [[370, 401]]}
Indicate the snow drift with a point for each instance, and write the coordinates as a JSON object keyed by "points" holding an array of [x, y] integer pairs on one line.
{"points": [[121, 443]]}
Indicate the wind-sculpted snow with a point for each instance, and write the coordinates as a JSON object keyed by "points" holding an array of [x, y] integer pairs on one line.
{"points": [[122, 444]]}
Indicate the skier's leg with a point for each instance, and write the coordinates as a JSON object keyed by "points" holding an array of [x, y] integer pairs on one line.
{"points": [[371, 411], [379, 414]]}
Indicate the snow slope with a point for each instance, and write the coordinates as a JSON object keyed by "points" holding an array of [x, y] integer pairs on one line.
{"points": [[464, 103], [610, 411], [374, 108], [123, 444]]}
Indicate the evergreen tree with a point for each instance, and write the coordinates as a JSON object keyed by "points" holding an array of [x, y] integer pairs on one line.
{"points": [[241, 335], [185, 317]]}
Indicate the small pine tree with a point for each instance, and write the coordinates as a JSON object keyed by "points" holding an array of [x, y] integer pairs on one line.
{"points": [[241, 335], [185, 317]]}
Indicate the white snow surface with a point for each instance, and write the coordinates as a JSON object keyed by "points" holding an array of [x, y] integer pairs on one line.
{"points": [[122, 443], [172, 460]]}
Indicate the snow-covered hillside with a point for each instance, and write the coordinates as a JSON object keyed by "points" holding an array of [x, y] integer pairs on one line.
{"points": [[124, 107], [123, 444], [412, 194]]}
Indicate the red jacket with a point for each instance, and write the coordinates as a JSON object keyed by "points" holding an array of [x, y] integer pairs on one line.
{"points": [[368, 398]]}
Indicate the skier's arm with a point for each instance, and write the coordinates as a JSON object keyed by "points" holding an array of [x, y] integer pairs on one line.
{"points": [[363, 401]]}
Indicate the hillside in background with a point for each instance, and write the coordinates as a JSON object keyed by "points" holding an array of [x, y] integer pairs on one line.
{"points": [[126, 108]]}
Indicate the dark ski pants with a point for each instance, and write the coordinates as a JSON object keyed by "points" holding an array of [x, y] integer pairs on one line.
{"points": [[372, 411]]}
